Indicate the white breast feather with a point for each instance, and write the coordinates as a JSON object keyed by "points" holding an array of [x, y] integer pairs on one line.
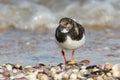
{"points": [[70, 44], [64, 31]]}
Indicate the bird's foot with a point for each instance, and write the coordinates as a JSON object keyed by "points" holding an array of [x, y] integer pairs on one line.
{"points": [[71, 62]]}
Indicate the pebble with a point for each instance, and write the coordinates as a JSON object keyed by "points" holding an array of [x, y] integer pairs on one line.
{"points": [[116, 70], [70, 71], [73, 76], [65, 76], [17, 66]]}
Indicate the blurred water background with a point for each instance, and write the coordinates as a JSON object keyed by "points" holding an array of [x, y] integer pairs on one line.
{"points": [[27, 30]]}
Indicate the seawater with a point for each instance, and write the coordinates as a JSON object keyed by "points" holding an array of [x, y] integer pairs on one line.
{"points": [[32, 14], [27, 29]]}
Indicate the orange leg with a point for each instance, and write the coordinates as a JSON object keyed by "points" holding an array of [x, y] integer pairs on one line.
{"points": [[73, 54], [63, 54]]}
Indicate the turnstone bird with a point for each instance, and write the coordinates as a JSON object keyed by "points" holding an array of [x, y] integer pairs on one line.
{"points": [[69, 35]]}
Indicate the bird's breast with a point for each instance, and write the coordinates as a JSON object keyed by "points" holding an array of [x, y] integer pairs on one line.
{"points": [[70, 44]]}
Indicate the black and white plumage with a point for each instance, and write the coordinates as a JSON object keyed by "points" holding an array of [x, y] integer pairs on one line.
{"points": [[69, 35]]}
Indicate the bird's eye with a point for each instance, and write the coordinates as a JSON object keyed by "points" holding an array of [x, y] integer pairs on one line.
{"points": [[66, 24]]}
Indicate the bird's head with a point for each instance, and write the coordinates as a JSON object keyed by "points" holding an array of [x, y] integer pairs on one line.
{"points": [[66, 24]]}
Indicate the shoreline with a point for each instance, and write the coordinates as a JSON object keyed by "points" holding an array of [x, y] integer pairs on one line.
{"points": [[70, 71]]}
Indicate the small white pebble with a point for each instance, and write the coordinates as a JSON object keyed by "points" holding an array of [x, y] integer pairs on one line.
{"points": [[83, 67], [73, 76], [32, 76], [14, 70], [9, 67], [29, 66], [53, 70], [95, 69], [109, 74], [84, 71], [108, 66], [116, 70], [65, 76], [1, 70]]}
